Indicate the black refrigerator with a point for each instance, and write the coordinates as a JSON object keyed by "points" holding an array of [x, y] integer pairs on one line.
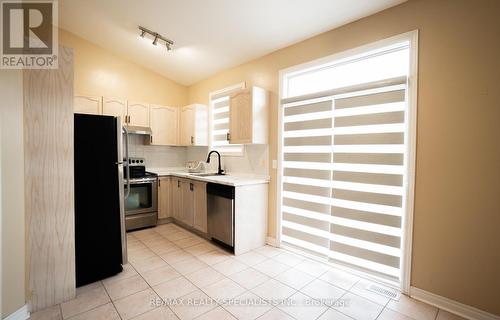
{"points": [[100, 241]]}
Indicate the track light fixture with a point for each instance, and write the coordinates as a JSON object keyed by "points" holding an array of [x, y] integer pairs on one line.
{"points": [[168, 43]]}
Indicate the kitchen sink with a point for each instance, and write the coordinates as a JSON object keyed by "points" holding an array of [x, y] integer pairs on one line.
{"points": [[205, 174]]}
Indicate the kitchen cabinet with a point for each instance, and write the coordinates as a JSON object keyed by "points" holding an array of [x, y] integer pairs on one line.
{"points": [[248, 117], [131, 113], [200, 206], [87, 104], [138, 114], [250, 217], [193, 125], [187, 207], [164, 125], [115, 107], [189, 202], [175, 184], [164, 198]]}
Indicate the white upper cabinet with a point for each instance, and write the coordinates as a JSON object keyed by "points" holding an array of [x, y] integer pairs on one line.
{"points": [[164, 125], [87, 104], [193, 125], [114, 107], [138, 114], [170, 126], [248, 117]]}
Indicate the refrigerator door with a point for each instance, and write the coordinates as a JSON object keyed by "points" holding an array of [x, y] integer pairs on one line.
{"points": [[120, 168], [98, 203]]}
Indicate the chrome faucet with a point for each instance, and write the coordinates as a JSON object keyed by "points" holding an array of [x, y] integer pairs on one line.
{"points": [[219, 171]]}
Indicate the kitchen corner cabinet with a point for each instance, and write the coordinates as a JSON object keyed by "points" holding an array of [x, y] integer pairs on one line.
{"points": [[87, 104], [138, 114], [193, 125], [200, 206], [115, 107], [248, 117], [164, 198], [164, 125]]}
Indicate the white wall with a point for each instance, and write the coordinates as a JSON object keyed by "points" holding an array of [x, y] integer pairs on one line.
{"points": [[254, 161], [1, 220], [12, 191]]}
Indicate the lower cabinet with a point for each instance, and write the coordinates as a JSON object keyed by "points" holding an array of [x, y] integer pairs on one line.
{"points": [[200, 206], [184, 200], [164, 198], [187, 205], [175, 184]]}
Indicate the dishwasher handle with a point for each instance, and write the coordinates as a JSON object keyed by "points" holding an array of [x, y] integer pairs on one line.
{"points": [[220, 190]]}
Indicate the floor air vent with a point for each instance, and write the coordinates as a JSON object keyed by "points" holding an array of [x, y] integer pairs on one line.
{"points": [[386, 292]]}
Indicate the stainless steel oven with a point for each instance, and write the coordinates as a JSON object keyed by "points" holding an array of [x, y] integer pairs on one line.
{"points": [[141, 205]]}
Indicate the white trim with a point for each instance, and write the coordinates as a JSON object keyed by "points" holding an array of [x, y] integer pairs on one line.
{"points": [[271, 241], [452, 306], [20, 314], [411, 135], [408, 208], [279, 160]]}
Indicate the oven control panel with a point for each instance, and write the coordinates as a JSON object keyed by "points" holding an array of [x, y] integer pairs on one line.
{"points": [[136, 161]]}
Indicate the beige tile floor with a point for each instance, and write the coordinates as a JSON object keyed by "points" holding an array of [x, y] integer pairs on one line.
{"points": [[174, 274]]}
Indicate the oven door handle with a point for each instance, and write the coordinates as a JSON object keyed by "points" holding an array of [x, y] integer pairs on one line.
{"points": [[141, 181]]}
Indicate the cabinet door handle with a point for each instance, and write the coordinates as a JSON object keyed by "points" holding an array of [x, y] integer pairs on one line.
{"points": [[192, 140], [190, 187], [151, 139], [228, 136], [178, 183]]}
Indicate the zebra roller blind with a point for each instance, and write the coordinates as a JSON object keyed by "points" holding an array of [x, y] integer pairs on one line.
{"points": [[220, 126], [343, 173], [220, 121]]}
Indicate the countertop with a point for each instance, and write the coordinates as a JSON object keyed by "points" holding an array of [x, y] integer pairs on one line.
{"points": [[230, 179]]}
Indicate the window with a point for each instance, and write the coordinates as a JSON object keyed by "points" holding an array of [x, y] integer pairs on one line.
{"points": [[346, 158], [219, 121]]}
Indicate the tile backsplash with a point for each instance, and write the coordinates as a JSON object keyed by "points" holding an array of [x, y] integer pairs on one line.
{"points": [[157, 156], [254, 161]]}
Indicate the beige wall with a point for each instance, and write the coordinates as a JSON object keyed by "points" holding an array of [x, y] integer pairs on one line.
{"points": [[101, 73], [12, 188], [457, 212]]}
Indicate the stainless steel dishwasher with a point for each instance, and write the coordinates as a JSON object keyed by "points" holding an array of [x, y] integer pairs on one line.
{"points": [[220, 210]]}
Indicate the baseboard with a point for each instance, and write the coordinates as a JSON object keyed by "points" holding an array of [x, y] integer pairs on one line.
{"points": [[164, 221], [452, 306], [271, 241], [20, 314]]}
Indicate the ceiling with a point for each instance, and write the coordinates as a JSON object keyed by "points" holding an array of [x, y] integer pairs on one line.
{"points": [[209, 36]]}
